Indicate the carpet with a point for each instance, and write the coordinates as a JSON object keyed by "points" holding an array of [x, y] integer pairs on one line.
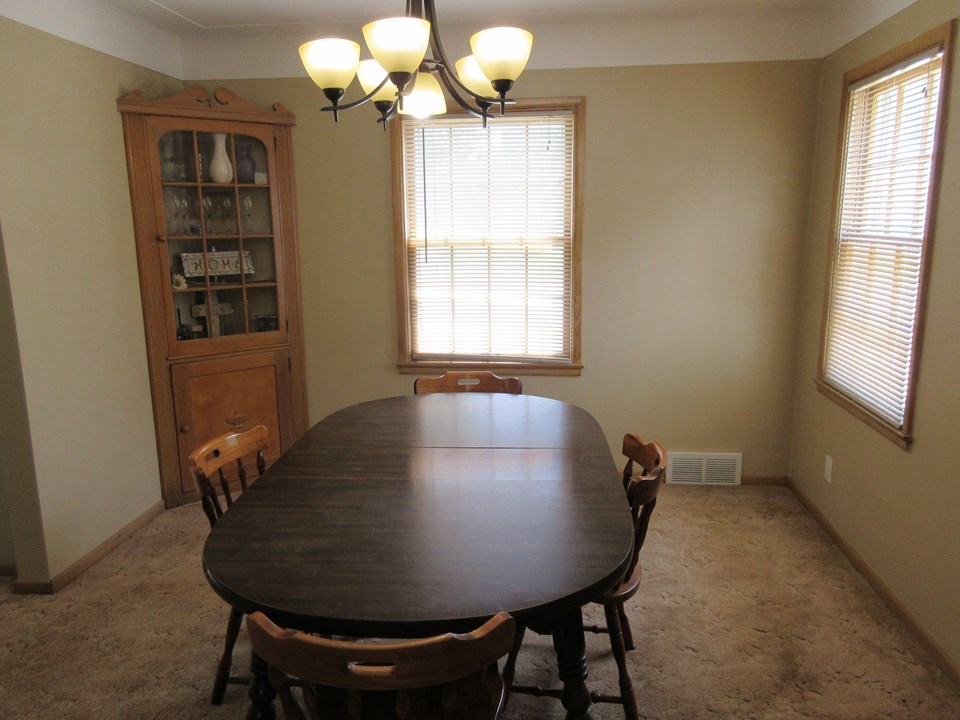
{"points": [[747, 610]]}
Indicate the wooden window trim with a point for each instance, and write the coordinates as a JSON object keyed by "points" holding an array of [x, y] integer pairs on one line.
{"points": [[406, 364], [941, 35]]}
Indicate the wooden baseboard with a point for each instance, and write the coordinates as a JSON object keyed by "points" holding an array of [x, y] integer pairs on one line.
{"points": [[31, 588], [74, 571], [946, 663]]}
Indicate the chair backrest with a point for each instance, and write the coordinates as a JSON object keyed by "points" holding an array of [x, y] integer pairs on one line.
{"points": [[462, 381], [445, 677], [214, 455], [642, 487]]}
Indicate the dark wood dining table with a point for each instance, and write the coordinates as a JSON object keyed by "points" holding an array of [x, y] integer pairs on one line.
{"points": [[416, 515]]}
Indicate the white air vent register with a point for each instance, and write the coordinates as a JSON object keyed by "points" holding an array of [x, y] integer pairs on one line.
{"points": [[704, 468]]}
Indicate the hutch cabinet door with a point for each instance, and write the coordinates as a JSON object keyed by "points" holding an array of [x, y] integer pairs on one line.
{"points": [[213, 397], [218, 257]]}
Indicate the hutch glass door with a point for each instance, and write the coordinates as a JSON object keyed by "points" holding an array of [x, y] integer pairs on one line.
{"points": [[220, 234]]}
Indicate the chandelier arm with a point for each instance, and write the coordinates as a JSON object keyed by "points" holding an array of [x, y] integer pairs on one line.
{"points": [[445, 80], [446, 70], [361, 101], [388, 111], [430, 15]]}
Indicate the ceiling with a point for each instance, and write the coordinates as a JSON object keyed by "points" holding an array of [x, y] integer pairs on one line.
{"points": [[234, 39], [203, 16]]}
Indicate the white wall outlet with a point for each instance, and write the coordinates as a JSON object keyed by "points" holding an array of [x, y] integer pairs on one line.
{"points": [[828, 468]]}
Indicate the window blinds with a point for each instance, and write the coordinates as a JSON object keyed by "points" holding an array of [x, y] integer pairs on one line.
{"points": [[489, 237], [880, 236]]}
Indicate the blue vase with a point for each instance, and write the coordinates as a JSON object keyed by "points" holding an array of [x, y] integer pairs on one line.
{"points": [[246, 165]]}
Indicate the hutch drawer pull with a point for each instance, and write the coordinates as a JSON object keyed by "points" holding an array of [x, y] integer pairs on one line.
{"points": [[184, 428], [236, 420]]}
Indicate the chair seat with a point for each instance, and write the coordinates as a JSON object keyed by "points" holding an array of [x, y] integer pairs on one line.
{"points": [[625, 590]]}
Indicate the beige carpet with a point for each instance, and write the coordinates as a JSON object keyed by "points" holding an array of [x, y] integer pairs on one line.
{"points": [[747, 610]]}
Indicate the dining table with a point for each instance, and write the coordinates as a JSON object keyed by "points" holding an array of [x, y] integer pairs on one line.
{"points": [[410, 516]]}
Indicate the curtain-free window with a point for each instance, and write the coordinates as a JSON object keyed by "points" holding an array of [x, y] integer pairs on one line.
{"points": [[886, 193], [489, 254]]}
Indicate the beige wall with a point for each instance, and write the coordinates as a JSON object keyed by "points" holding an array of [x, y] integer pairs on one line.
{"points": [[70, 256], [16, 459], [898, 509], [694, 204]]}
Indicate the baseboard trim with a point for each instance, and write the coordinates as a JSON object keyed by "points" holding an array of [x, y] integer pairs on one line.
{"points": [[71, 573], [949, 667]]}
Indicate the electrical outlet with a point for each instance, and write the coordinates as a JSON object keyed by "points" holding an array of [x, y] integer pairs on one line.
{"points": [[828, 468]]}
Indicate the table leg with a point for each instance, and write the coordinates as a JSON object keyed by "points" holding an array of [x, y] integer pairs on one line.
{"points": [[261, 692], [572, 665]]}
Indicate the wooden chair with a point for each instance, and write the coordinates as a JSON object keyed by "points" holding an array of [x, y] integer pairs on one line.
{"points": [[207, 462], [641, 489], [214, 455], [461, 381], [445, 677]]}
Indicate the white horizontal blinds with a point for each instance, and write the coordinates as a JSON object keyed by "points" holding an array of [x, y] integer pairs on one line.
{"points": [[880, 235], [489, 227]]}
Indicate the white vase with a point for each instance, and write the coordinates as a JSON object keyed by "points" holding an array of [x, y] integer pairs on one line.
{"points": [[221, 171]]}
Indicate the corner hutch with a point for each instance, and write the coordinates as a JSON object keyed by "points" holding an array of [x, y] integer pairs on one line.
{"points": [[212, 190]]}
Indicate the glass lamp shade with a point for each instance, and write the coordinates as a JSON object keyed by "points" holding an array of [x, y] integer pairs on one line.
{"points": [[472, 76], [425, 99], [502, 52], [398, 44], [330, 62], [370, 74]]}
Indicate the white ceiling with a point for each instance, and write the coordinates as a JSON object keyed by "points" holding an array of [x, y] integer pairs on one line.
{"points": [[228, 39], [202, 16]]}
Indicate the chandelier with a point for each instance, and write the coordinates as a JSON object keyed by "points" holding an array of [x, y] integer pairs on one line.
{"points": [[401, 79]]}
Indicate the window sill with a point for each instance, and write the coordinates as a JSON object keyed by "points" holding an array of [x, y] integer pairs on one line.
{"points": [[501, 368], [894, 435]]}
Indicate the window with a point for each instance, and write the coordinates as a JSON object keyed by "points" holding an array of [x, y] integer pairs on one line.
{"points": [[488, 245], [886, 196]]}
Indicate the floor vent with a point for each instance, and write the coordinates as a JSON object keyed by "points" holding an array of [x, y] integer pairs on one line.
{"points": [[704, 468]]}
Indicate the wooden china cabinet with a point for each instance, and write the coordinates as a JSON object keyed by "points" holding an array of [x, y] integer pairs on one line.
{"points": [[211, 185]]}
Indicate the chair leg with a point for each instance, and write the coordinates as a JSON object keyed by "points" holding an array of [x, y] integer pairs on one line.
{"points": [[620, 655], [226, 660], [625, 626], [510, 666]]}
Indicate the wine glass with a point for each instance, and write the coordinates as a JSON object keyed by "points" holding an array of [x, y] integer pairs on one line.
{"points": [[248, 211], [227, 211], [207, 211], [182, 224], [173, 206], [193, 213]]}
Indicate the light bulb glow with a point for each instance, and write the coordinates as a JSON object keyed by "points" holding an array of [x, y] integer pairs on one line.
{"points": [[399, 43], [330, 62], [472, 76], [425, 99], [370, 74], [502, 52]]}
